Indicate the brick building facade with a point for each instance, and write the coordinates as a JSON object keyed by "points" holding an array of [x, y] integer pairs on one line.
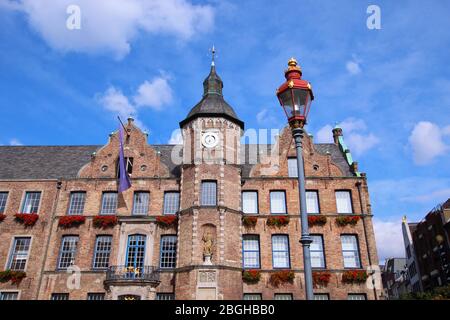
{"points": [[197, 216]]}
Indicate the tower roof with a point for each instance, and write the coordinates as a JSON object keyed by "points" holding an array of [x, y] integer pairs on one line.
{"points": [[213, 104]]}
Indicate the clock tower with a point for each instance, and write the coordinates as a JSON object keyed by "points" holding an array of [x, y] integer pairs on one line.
{"points": [[209, 229]]}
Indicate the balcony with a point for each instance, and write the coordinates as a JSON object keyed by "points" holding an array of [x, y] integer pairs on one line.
{"points": [[123, 275]]}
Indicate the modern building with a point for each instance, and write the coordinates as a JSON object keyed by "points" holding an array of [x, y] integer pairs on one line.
{"points": [[209, 219], [395, 279], [413, 282], [430, 239]]}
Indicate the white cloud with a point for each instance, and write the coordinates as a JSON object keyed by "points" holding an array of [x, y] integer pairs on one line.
{"points": [[110, 25], [154, 94], [358, 142], [420, 190], [427, 143], [389, 238], [353, 67], [324, 135], [15, 142], [266, 117], [176, 138], [115, 101]]}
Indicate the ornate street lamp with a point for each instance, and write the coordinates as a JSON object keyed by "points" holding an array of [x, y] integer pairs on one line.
{"points": [[295, 97]]}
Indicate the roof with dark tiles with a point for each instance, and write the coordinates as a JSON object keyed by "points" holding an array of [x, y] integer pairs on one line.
{"points": [[54, 162]]}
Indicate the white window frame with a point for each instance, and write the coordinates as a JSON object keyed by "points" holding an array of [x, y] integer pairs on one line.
{"points": [[272, 192], [339, 206], [292, 168], [309, 200], [255, 204]]}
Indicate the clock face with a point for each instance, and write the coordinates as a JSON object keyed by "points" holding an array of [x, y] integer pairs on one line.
{"points": [[210, 139]]}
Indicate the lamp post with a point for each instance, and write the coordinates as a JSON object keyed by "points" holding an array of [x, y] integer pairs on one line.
{"points": [[295, 96]]}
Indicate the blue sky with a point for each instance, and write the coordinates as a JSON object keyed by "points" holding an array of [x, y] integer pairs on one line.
{"points": [[389, 88]]}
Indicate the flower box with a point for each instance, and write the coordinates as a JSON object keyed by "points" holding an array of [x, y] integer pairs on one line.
{"points": [[347, 220], [317, 220], [105, 221], [354, 276], [27, 219], [321, 278], [251, 276], [167, 221], [249, 221], [2, 217], [14, 276], [281, 277], [277, 221], [71, 221]]}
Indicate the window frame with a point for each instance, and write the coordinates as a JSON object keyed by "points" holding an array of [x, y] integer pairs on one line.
{"points": [[164, 202], [318, 202], [24, 201], [129, 165], [259, 295], [257, 201], [163, 237], [358, 250], [351, 201], [356, 294], [285, 202], [12, 250], [278, 294], [133, 212], [60, 294], [70, 203], [321, 294], [102, 203], [165, 294], [5, 206], [9, 292], [93, 294], [138, 237], [259, 251], [96, 251], [58, 267], [289, 159], [288, 251], [323, 251], [201, 193]]}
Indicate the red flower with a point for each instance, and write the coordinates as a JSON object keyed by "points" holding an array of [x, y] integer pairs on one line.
{"points": [[345, 220], [71, 221], [317, 220], [354, 276], [251, 276], [280, 277], [277, 221], [105, 221], [27, 219], [2, 217], [166, 221], [321, 278], [14, 276], [249, 221]]}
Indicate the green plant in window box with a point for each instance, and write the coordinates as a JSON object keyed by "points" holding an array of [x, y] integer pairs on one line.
{"points": [[347, 220]]}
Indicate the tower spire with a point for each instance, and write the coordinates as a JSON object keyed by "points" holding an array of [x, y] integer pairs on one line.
{"points": [[213, 55]]}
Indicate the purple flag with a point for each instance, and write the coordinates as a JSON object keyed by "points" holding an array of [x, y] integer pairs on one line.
{"points": [[124, 178]]}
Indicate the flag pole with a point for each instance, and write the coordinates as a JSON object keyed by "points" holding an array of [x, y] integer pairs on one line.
{"points": [[124, 129]]}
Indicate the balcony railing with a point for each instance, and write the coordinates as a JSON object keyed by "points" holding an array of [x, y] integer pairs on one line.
{"points": [[146, 274]]}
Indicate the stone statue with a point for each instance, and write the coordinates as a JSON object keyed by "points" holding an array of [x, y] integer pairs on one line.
{"points": [[208, 243]]}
